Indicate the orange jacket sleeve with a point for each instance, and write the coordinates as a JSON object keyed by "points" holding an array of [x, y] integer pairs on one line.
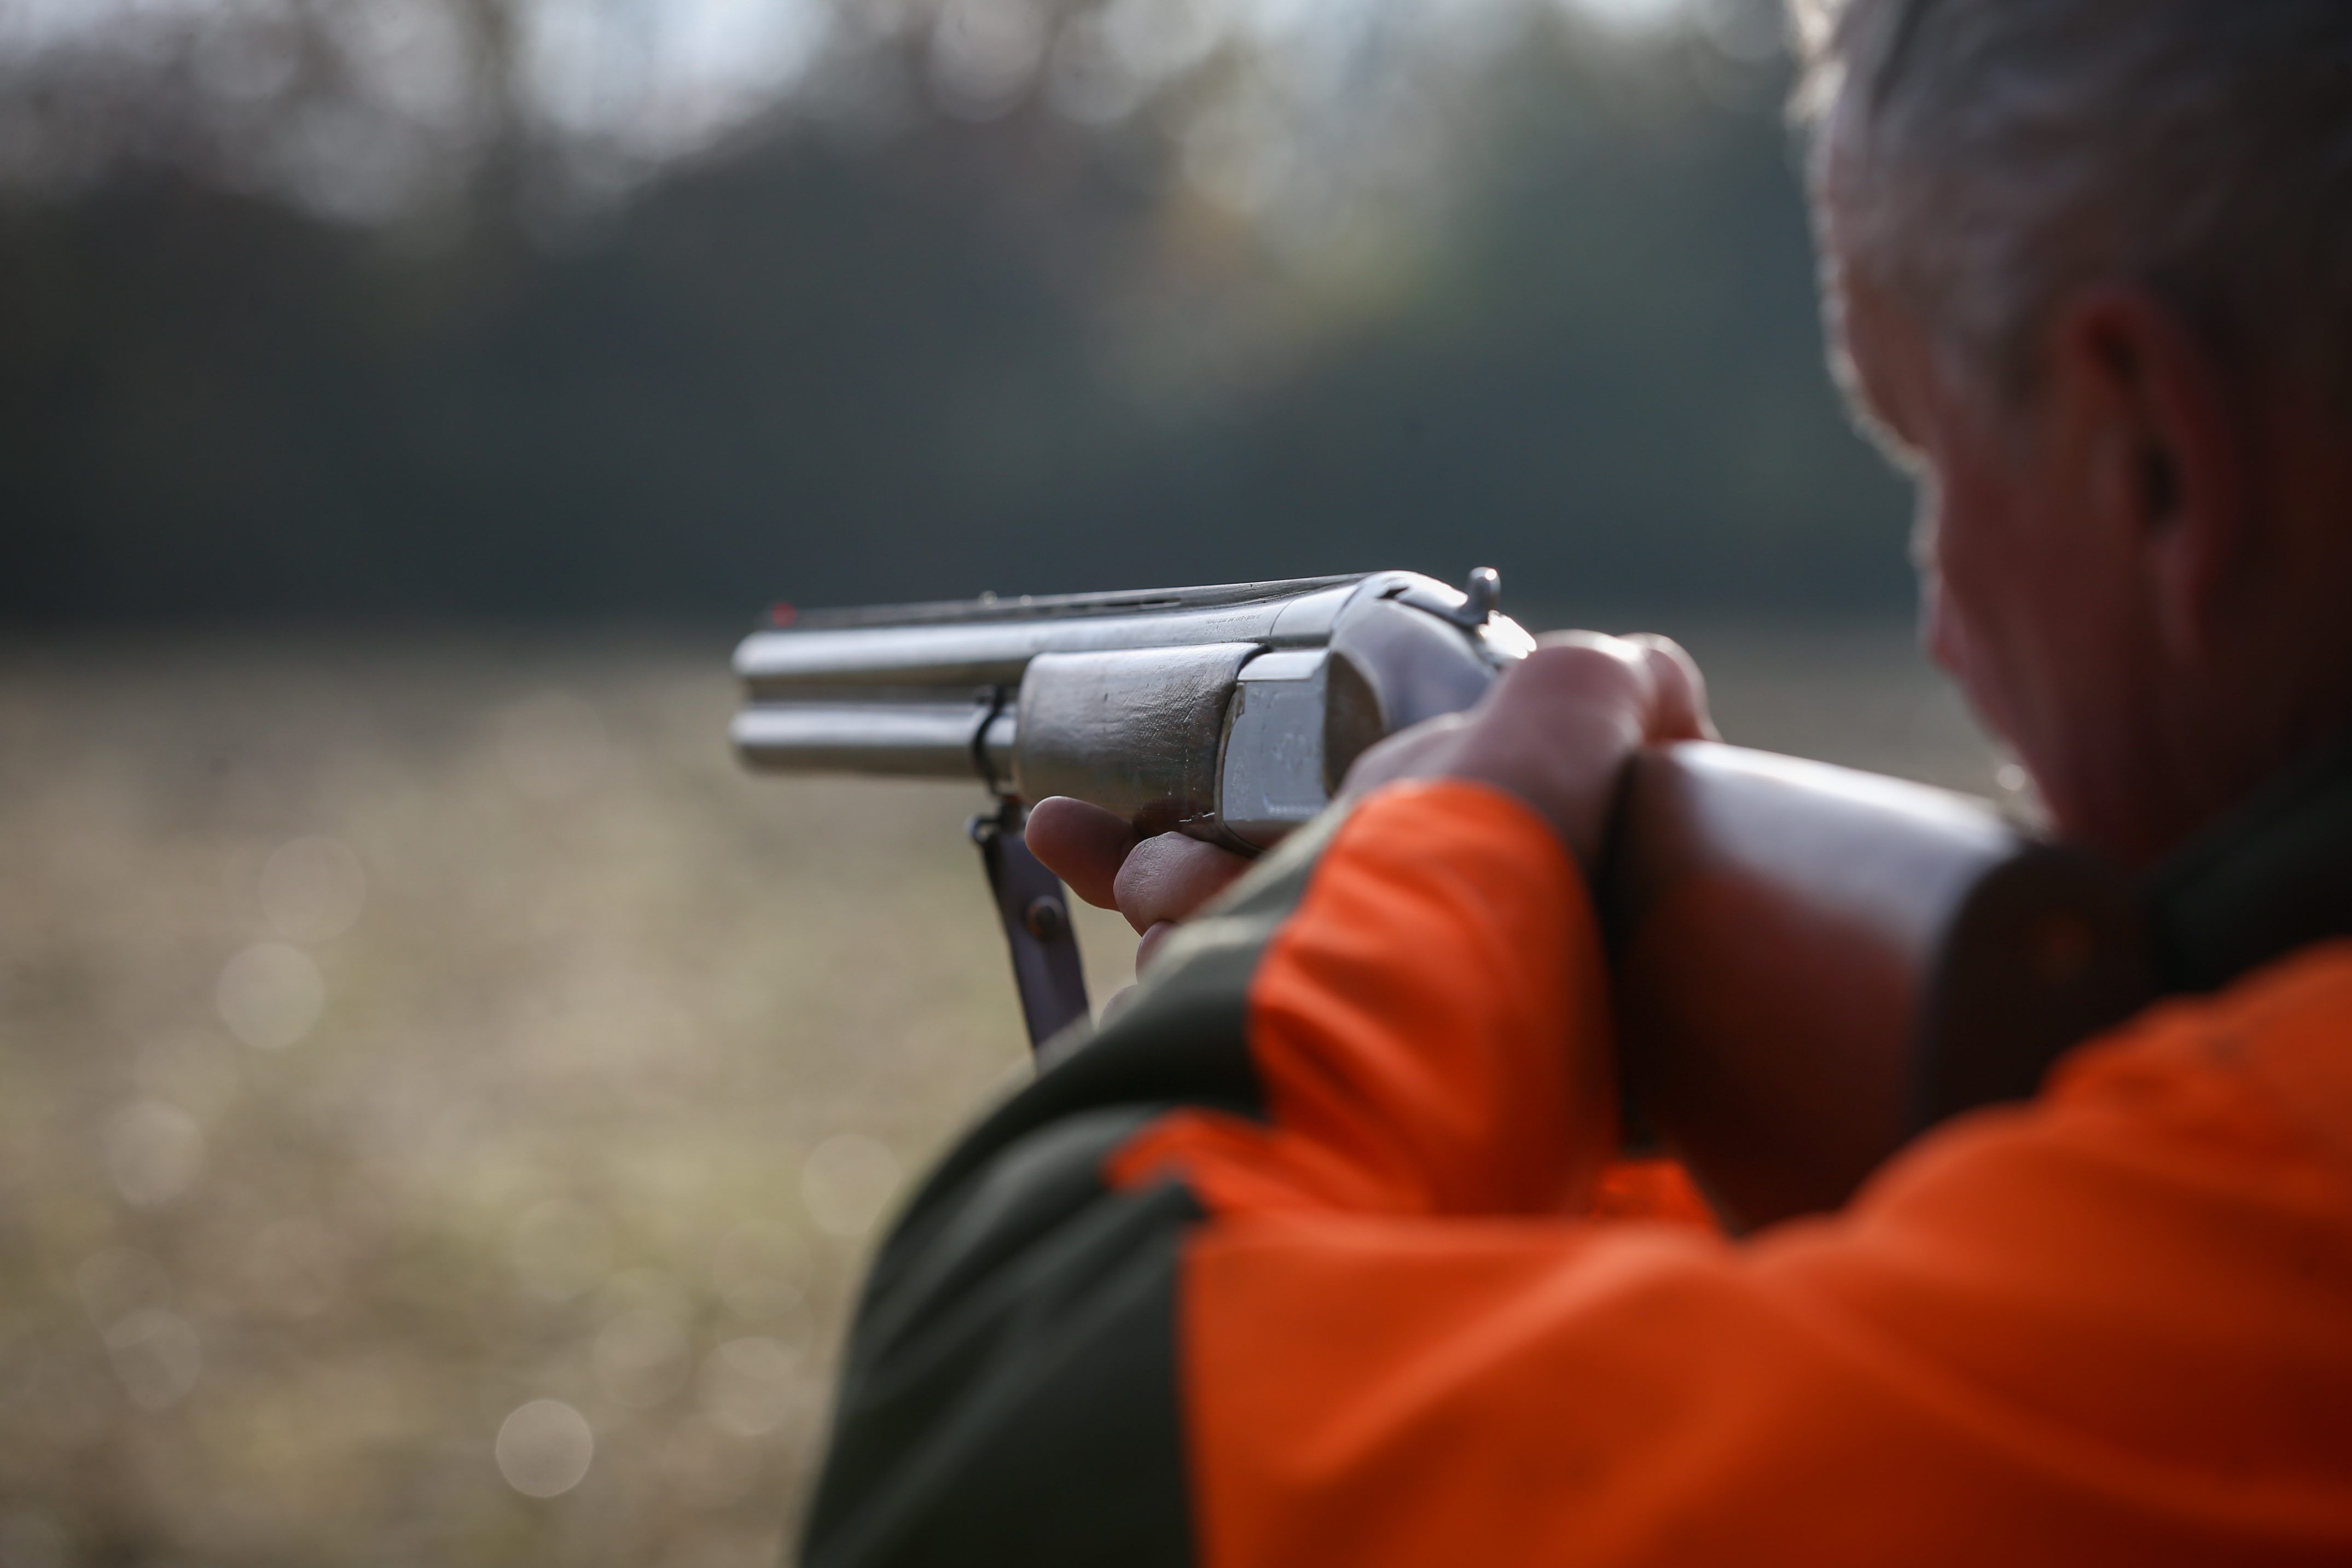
{"points": [[1429, 1030], [1361, 1120]]}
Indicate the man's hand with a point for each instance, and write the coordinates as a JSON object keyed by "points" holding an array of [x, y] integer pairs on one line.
{"points": [[1154, 882], [1556, 731]]}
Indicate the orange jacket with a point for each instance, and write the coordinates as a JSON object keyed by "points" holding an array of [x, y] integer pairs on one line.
{"points": [[1311, 1258]]}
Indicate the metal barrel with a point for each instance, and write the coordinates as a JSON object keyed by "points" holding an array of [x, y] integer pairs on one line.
{"points": [[907, 690], [900, 740], [942, 649], [1122, 698]]}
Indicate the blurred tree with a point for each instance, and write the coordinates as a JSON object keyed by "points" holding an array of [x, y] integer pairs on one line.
{"points": [[975, 296]]}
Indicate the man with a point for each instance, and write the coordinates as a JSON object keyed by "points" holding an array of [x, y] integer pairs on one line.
{"points": [[1297, 1262]]}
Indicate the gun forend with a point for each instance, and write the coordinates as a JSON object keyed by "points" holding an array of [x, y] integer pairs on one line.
{"points": [[1230, 712]]}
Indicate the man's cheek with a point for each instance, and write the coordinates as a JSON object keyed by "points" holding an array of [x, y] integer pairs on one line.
{"points": [[1940, 631], [1955, 638], [1944, 632]]}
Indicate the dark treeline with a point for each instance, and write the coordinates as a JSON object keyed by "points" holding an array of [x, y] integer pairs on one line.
{"points": [[838, 367]]}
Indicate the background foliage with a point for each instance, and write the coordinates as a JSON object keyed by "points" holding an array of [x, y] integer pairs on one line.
{"points": [[311, 316]]}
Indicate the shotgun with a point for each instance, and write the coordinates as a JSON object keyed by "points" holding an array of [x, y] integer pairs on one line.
{"points": [[1810, 965]]}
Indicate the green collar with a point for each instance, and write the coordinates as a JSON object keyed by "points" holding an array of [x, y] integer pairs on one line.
{"points": [[2272, 875]]}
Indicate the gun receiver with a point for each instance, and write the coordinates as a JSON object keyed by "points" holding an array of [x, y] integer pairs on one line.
{"points": [[1230, 713], [1810, 964]]}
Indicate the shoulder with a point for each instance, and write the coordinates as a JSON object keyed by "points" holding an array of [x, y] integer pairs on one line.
{"points": [[2273, 1050]]}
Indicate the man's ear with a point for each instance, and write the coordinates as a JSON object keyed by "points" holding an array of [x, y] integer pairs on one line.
{"points": [[2167, 466]]}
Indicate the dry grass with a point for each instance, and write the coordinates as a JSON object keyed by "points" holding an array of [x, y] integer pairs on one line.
{"points": [[394, 1038]]}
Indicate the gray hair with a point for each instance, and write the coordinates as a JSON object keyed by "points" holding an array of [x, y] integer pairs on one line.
{"points": [[1982, 158]]}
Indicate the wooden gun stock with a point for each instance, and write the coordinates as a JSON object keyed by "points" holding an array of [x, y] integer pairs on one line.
{"points": [[1812, 964]]}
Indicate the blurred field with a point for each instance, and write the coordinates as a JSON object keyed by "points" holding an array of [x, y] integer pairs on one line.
{"points": [[432, 1077]]}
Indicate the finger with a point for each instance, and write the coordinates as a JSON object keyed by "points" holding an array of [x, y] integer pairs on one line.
{"points": [[1153, 941], [1556, 733], [1168, 878], [1407, 754], [1681, 711], [1569, 670], [1082, 844]]}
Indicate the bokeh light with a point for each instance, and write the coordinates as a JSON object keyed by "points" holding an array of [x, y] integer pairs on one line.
{"points": [[643, 1358], [750, 1386], [270, 995], [707, 1465], [544, 1449], [116, 1282], [157, 1355], [154, 1152], [847, 1181]]}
